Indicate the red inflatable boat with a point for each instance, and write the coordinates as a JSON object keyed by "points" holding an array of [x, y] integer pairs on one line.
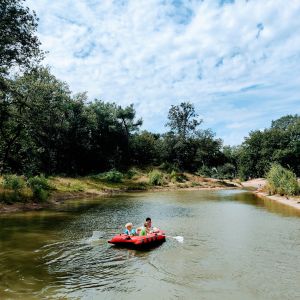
{"points": [[149, 240]]}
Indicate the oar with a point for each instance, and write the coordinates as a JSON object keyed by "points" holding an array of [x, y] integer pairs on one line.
{"points": [[177, 238]]}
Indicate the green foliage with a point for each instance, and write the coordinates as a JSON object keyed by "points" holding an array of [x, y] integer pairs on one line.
{"points": [[19, 44], [282, 181], [112, 176], [183, 119], [40, 187], [14, 185], [143, 148], [169, 167], [278, 144], [156, 177], [177, 177], [206, 171], [138, 186], [44, 128], [131, 173], [13, 182], [227, 171]]}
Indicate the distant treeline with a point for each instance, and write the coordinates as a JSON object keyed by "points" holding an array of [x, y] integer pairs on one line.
{"points": [[44, 128]]}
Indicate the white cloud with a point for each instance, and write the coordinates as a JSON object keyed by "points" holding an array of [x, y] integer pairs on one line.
{"points": [[239, 63]]}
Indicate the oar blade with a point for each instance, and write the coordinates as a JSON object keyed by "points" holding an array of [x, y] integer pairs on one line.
{"points": [[179, 239]]}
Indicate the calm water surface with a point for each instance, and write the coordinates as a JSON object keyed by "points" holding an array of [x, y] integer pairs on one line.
{"points": [[236, 246]]}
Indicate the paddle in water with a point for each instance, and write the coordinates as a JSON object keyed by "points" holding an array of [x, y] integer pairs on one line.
{"points": [[177, 238]]}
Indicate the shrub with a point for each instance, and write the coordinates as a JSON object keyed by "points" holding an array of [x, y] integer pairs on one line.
{"points": [[205, 171], [177, 177], [227, 171], [169, 167], [113, 176], [40, 187], [282, 181], [13, 182], [131, 173], [156, 177]]}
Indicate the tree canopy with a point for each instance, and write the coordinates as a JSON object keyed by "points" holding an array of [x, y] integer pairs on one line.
{"points": [[278, 144], [19, 44], [44, 128]]}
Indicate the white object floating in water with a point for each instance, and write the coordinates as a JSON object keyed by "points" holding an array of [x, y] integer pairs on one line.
{"points": [[179, 238]]}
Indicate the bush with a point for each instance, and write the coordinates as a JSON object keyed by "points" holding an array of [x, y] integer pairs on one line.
{"points": [[169, 167], [13, 182], [205, 171], [40, 187], [131, 173], [177, 177], [227, 171], [282, 181], [156, 177], [113, 176]]}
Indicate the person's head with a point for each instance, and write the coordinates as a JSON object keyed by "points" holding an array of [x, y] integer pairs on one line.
{"points": [[146, 224], [128, 226], [148, 220]]}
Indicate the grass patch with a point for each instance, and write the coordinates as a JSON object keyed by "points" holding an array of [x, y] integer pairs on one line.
{"points": [[156, 178]]}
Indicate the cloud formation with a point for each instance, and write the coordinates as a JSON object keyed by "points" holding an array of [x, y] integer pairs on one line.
{"points": [[237, 61]]}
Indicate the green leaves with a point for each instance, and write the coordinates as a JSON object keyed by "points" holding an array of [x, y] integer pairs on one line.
{"points": [[278, 144], [183, 119], [19, 44], [282, 181]]}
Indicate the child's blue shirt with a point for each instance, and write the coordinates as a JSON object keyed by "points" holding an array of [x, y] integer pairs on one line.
{"points": [[131, 232]]}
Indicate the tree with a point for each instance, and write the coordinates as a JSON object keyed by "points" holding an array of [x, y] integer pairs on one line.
{"points": [[19, 45], [36, 124], [182, 119], [285, 122], [126, 116], [143, 148], [186, 145], [278, 144]]}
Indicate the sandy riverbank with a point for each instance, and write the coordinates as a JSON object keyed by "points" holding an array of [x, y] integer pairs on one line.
{"points": [[257, 185], [64, 191]]}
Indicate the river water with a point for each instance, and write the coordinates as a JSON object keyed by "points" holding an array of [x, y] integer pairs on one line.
{"points": [[236, 246]]}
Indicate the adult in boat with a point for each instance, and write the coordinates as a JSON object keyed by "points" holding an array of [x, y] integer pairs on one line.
{"points": [[147, 228], [150, 227]]}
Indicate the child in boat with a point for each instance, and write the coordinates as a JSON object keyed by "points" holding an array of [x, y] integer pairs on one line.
{"points": [[145, 229], [129, 230]]}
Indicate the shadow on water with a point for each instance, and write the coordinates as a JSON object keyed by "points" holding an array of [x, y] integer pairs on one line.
{"points": [[261, 203]]}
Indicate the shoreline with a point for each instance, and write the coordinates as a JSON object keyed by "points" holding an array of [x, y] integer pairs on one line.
{"points": [[256, 187], [58, 198], [288, 201], [68, 188]]}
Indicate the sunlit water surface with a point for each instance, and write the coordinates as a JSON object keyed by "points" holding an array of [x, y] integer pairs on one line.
{"points": [[236, 246]]}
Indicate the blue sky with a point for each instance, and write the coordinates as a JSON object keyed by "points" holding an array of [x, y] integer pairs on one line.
{"points": [[237, 61]]}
